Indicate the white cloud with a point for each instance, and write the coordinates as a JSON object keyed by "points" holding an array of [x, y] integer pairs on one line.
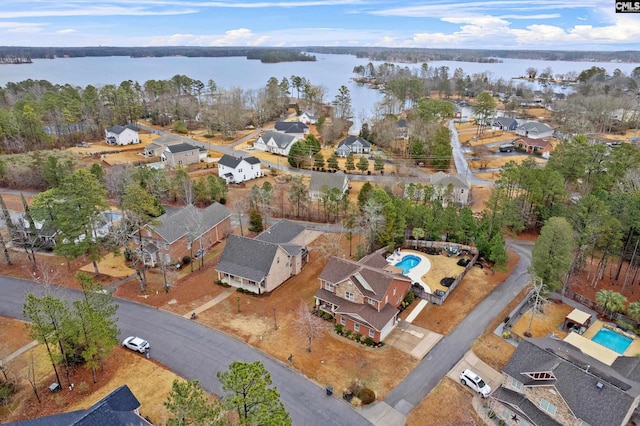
{"points": [[94, 11], [67, 31]]}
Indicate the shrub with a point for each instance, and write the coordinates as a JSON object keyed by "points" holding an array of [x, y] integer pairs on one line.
{"points": [[186, 260], [357, 337], [366, 396], [368, 341], [208, 135], [327, 316], [339, 328], [348, 333], [409, 298], [127, 254], [82, 387], [492, 415], [219, 281], [506, 334]]}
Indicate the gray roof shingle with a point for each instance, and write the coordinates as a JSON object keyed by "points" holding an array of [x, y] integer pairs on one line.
{"points": [[281, 139], [189, 220], [331, 180], [181, 147], [291, 127], [281, 232], [247, 258], [576, 376], [351, 139], [231, 161]]}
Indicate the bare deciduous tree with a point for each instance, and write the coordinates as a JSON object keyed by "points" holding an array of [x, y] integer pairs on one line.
{"points": [[307, 324]]}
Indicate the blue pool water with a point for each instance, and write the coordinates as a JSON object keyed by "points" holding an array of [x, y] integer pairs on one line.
{"points": [[612, 340], [407, 263], [112, 216]]}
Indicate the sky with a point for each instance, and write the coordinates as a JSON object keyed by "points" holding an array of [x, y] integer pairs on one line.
{"points": [[486, 24]]}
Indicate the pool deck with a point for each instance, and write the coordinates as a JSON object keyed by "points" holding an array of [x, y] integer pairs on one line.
{"points": [[418, 273], [601, 353]]}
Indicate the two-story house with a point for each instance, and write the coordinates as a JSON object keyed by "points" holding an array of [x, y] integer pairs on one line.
{"points": [[183, 233], [308, 117], [155, 148], [548, 381], [327, 181], [353, 144], [238, 169], [181, 154], [450, 188], [362, 296], [275, 142], [263, 263], [122, 135]]}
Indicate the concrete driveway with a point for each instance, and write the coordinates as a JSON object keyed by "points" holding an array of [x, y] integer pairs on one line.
{"points": [[414, 340], [491, 376]]}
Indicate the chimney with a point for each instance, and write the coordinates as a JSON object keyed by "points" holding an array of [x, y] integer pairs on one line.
{"points": [[599, 385]]}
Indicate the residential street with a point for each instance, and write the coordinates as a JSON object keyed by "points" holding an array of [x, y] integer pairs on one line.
{"points": [[452, 347], [194, 351]]}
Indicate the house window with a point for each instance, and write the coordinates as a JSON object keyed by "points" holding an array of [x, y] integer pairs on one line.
{"points": [[394, 291], [356, 327], [329, 287], [372, 333], [371, 301], [516, 384], [548, 407], [349, 295], [343, 321]]}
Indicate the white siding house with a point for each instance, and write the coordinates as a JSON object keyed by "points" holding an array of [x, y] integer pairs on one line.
{"points": [[122, 135], [238, 169]]}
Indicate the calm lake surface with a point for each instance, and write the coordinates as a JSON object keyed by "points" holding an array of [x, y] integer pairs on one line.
{"points": [[330, 71]]}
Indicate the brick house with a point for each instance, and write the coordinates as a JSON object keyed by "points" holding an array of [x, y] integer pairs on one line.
{"points": [[548, 381], [263, 263], [183, 233], [181, 154], [542, 147], [122, 135], [362, 296]]}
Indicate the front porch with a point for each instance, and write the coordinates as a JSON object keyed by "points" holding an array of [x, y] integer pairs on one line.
{"points": [[243, 283]]}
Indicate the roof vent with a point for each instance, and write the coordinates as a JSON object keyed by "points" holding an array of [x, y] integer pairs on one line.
{"points": [[599, 385]]}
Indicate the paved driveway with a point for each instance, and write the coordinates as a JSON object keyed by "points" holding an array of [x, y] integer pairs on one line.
{"points": [[491, 376]]}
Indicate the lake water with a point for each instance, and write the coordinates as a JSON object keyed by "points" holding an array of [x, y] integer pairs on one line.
{"points": [[330, 71]]}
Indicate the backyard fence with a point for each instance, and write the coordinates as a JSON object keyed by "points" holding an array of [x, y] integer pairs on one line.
{"points": [[434, 298], [617, 316]]}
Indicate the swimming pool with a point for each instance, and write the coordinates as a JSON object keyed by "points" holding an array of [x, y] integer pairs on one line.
{"points": [[409, 261], [612, 340]]}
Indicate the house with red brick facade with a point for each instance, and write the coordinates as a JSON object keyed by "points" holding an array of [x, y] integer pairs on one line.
{"points": [[541, 147], [362, 296], [183, 233]]}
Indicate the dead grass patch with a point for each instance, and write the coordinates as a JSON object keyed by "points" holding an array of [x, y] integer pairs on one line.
{"points": [[543, 323], [498, 162], [448, 404]]}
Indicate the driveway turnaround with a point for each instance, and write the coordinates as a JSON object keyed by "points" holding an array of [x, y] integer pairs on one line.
{"points": [[448, 351], [195, 351]]}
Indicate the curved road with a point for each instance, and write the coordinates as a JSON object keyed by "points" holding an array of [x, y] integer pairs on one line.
{"points": [[195, 351]]}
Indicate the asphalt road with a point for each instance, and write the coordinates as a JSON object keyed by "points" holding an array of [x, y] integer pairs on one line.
{"points": [[448, 351], [195, 351]]}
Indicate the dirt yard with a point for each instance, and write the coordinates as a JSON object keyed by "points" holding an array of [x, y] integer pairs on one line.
{"points": [[498, 162], [448, 404], [543, 323]]}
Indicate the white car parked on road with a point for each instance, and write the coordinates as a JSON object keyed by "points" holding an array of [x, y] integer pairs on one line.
{"points": [[136, 344], [471, 379]]}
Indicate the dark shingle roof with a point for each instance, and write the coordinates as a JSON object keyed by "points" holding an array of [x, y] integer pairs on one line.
{"points": [[291, 127], [181, 147], [281, 232], [190, 220], [231, 161], [576, 376], [115, 409], [351, 139], [247, 258], [119, 129]]}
